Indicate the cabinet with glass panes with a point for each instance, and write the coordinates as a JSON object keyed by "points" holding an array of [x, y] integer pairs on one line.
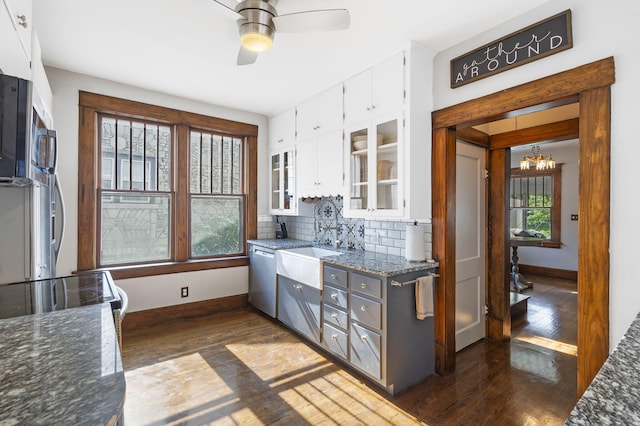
{"points": [[282, 182]]}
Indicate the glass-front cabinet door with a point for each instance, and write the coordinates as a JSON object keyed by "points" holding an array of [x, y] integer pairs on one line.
{"points": [[374, 157], [283, 200]]}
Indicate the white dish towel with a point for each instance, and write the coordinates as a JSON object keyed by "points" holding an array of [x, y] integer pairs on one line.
{"points": [[424, 297]]}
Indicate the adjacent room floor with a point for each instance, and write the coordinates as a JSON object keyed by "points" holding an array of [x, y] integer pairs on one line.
{"points": [[243, 368]]}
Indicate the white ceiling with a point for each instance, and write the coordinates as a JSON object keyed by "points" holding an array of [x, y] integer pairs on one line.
{"points": [[188, 48]]}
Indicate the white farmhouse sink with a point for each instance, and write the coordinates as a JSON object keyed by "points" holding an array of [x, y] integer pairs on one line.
{"points": [[303, 264]]}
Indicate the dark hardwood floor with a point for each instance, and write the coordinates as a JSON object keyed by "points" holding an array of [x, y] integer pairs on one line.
{"points": [[241, 368]]}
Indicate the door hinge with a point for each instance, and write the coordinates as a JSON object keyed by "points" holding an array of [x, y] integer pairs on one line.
{"points": [[404, 203], [486, 309], [486, 174]]}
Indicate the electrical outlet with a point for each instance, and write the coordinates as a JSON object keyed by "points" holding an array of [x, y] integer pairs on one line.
{"points": [[184, 292], [574, 217]]}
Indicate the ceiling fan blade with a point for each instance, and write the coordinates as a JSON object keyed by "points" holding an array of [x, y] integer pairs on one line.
{"points": [[246, 57], [313, 20], [227, 7]]}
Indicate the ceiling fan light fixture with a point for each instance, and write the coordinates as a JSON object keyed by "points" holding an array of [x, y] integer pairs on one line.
{"points": [[256, 37]]}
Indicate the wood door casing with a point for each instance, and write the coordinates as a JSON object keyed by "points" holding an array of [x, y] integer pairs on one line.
{"points": [[590, 85]]}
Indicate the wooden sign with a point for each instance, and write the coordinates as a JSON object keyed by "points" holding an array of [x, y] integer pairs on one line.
{"points": [[541, 39]]}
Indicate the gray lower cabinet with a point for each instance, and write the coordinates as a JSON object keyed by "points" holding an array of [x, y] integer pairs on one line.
{"points": [[372, 326], [299, 307]]}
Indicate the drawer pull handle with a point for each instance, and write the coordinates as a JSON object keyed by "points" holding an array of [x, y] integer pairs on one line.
{"points": [[363, 285], [363, 338], [334, 336], [334, 296], [334, 316], [334, 277], [363, 308]]}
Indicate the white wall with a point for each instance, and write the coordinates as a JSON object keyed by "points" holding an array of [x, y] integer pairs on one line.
{"points": [[600, 29], [566, 257], [155, 291]]}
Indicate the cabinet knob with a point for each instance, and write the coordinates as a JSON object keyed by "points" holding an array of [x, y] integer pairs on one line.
{"points": [[334, 296], [334, 336], [334, 276], [363, 308], [363, 285], [363, 338], [373, 107], [22, 21], [368, 108], [297, 287], [334, 316], [280, 140]]}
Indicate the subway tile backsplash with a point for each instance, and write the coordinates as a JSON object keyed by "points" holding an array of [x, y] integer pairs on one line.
{"points": [[319, 224]]}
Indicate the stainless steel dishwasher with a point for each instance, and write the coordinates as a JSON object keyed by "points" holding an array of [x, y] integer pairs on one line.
{"points": [[262, 279]]}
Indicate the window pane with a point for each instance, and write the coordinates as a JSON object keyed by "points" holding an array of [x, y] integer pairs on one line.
{"points": [[236, 187], [151, 155], [227, 165], [216, 225], [217, 164], [205, 177], [164, 158], [194, 162], [134, 228]]}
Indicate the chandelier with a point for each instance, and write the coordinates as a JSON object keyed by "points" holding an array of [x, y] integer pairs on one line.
{"points": [[541, 162]]}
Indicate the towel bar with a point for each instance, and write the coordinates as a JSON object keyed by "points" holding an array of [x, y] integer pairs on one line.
{"points": [[395, 283]]}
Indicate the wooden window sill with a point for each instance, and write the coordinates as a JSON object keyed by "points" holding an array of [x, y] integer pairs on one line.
{"points": [[138, 271]]}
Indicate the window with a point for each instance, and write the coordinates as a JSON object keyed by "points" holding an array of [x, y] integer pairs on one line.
{"points": [[535, 204], [162, 190]]}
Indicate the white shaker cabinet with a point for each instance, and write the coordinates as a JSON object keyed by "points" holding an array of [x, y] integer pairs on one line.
{"points": [[320, 165], [389, 175], [320, 114], [378, 90], [15, 33], [282, 130], [373, 152], [282, 182]]}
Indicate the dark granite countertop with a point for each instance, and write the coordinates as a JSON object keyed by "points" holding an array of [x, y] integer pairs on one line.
{"points": [[612, 396], [62, 367], [366, 261], [277, 244], [377, 263]]}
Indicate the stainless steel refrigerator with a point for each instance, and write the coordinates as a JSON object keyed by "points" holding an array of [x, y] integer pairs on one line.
{"points": [[31, 207]]}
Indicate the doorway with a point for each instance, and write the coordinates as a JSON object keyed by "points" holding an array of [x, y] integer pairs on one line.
{"points": [[590, 86]]}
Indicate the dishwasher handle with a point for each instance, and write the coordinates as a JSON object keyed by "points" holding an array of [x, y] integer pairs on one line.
{"points": [[264, 253]]}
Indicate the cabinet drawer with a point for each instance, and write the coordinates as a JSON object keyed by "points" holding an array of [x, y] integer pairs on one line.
{"points": [[366, 285], [335, 296], [366, 311], [335, 276], [365, 350], [335, 316], [335, 340]]}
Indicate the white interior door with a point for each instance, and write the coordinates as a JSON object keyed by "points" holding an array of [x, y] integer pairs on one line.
{"points": [[470, 244]]}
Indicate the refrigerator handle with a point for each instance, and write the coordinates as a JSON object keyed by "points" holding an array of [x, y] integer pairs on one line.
{"points": [[59, 216], [54, 139]]}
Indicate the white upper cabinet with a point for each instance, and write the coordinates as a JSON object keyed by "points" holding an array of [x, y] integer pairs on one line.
{"points": [[320, 165], [388, 139], [374, 187], [282, 181], [320, 114], [282, 130], [15, 33], [377, 91]]}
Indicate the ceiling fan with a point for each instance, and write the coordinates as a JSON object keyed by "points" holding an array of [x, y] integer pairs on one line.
{"points": [[258, 21]]}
